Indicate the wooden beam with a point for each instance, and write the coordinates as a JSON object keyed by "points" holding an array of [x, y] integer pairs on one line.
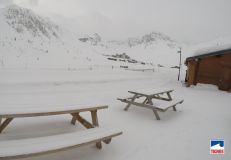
{"points": [[74, 119], [141, 94], [156, 114], [145, 101], [168, 91], [137, 104], [83, 121], [95, 123], [161, 98], [49, 113], [196, 72], [107, 141], [174, 108], [5, 124], [129, 104], [169, 96], [94, 118], [149, 100]]}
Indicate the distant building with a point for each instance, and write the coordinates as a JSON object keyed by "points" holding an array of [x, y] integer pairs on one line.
{"points": [[210, 68]]}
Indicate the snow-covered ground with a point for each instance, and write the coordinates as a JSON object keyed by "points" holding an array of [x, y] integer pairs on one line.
{"points": [[181, 135], [44, 65]]}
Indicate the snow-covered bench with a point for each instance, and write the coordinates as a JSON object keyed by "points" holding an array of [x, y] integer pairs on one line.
{"points": [[11, 113], [161, 103], [13, 149]]}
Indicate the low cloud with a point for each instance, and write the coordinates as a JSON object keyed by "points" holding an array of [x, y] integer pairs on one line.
{"points": [[26, 2], [184, 20]]}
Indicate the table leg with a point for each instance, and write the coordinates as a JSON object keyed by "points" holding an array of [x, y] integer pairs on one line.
{"points": [[169, 96], [156, 114], [129, 104], [107, 141], [5, 124], [95, 124], [149, 100], [83, 121], [94, 118], [74, 118], [145, 101], [174, 108]]}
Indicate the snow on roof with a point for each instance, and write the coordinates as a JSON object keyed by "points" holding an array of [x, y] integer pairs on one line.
{"points": [[211, 49], [211, 46]]}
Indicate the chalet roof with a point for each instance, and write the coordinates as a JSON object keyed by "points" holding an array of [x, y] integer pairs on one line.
{"points": [[209, 54]]}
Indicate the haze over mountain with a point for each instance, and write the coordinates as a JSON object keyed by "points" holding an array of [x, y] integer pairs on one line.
{"points": [[186, 21], [30, 40]]}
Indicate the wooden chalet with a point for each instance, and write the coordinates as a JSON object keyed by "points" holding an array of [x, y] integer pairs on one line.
{"points": [[210, 68]]}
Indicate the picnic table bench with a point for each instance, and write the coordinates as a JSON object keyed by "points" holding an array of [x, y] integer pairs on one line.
{"points": [[13, 149], [163, 101]]}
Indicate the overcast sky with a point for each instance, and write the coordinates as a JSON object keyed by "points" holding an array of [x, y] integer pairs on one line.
{"points": [[184, 20]]}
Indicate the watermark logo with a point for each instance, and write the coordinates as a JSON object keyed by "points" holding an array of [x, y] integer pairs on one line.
{"points": [[217, 147]]}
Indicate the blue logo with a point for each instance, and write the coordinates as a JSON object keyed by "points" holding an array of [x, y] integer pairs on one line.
{"points": [[217, 147]]}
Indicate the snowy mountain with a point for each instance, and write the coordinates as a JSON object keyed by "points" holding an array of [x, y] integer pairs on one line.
{"points": [[151, 38], [93, 40], [155, 47], [145, 40], [28, 40], [24, 20]]}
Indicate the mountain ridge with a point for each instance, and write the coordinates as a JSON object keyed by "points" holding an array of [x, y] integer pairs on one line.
{"points": [[24, 20], [30, 40], [146, 40]]}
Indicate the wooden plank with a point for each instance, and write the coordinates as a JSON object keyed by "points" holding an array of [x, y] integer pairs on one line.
{"points": [[5, 124], [138, 96], [129, 104], [196, 72], [173, 105], [155, 95], [161, 98], [83, 121], [140, 104], [152, 106], [81, 109], [163, 92], [137, 93], [145, 101], [103, 138]]}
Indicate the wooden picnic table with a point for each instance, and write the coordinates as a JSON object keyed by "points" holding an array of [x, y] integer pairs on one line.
{"points": [[14, 149], [11, 113], [148, 101]]}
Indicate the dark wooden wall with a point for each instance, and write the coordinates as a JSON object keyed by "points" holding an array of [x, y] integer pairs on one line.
{"points": [[210, 70]]}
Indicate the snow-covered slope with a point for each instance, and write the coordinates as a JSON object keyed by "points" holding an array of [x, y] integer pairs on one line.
{"points": [[28, 40], [24, 21], [156, 48]]}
